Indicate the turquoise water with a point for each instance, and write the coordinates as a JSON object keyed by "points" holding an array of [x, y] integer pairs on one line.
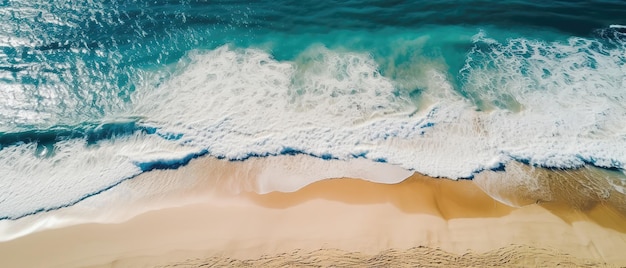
{"points": [[97, 92]]}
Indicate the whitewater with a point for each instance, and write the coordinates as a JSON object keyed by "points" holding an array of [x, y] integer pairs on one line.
{"points": [[144, 88]]}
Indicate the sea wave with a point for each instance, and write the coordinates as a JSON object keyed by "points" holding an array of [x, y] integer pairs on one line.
{"points": [[550, 104]]}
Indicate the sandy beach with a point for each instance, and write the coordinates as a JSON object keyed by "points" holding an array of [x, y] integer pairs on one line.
{"points": [[343, 222], [198, 133]]}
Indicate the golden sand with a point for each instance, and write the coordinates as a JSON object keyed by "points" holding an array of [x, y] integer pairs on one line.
{"points": [[421, 221]]}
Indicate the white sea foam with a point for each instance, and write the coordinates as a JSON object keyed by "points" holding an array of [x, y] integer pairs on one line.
{"points": [[571, 98], [76, 170], [557, 105], [550, 104]]}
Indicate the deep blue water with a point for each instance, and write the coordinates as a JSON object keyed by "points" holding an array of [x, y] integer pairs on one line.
{"points": [[105, 86]]}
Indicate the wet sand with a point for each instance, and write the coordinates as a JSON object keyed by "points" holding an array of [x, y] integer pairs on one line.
{"points": [[346, 222]]}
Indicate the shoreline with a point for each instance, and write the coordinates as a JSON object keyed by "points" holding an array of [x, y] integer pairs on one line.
{"points": [[208, 219]]}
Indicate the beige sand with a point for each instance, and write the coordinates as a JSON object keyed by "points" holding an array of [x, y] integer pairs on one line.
{"points": [[343, 222], [511, 256]]}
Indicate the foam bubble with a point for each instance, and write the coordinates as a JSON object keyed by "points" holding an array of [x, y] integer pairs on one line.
{"points": [[549, 104], [569, 99], [335, 104], [74, 171], [243, 102]]}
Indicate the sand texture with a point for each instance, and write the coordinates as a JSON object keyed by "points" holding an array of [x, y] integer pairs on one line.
{"points": [[344, 222], [511, 256]]}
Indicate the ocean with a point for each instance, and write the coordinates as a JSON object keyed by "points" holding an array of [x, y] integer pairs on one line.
{"points": [[94, 93]]}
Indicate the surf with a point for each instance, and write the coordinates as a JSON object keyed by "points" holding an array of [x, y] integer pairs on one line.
{"points": [[237, 103]]}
